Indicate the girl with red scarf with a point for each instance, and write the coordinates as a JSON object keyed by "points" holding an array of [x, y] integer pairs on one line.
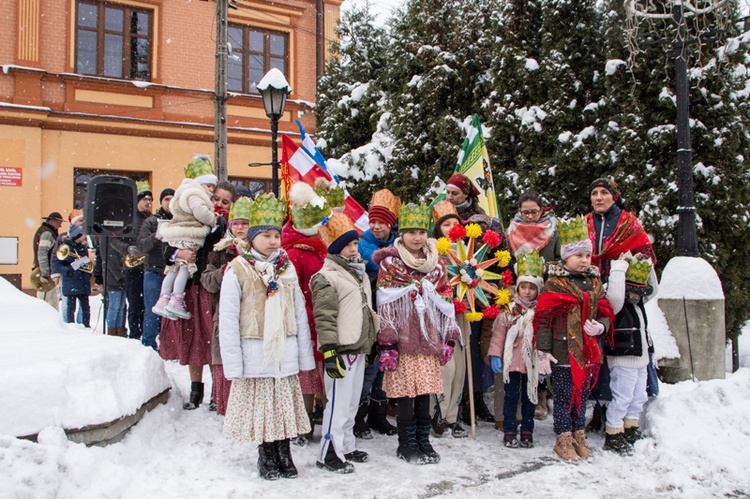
{"points": [[572, 311]]}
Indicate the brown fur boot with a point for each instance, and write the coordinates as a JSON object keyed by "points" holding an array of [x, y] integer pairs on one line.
{"points": [[564, 447], [580, 445]]}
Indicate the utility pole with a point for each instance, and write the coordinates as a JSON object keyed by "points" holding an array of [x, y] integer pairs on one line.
{"points": [[220, 97], [320, 52]]}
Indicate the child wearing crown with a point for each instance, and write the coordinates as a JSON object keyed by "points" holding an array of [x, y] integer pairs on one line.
{"points": [[417, 322], [192, 219], [630, 285], [513, 354], [347, 327], [265, 342], [571, 312]]}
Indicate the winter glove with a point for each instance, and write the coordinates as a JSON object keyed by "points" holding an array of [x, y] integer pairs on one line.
{"points": [[133, 251], [388, 357], [618, 266], [447, 353], [545, 368], [593, 328], [333, 363], [496, 363]]}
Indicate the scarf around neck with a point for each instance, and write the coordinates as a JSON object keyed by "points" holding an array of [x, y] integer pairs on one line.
{"points": [[424, 265], [525, 237]]}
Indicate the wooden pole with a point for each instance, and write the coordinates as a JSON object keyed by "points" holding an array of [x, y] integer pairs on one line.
{"points": [[467, 350]]}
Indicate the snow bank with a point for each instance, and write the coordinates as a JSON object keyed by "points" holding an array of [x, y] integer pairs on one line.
{"points": [[690, 278], [665, 346], [58, 374]]}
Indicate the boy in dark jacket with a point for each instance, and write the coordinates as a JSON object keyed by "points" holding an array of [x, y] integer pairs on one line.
{"points": [[76, 284], [628, 356]]}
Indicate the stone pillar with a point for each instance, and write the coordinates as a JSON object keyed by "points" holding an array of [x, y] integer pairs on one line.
{"points": [[692, 299]]}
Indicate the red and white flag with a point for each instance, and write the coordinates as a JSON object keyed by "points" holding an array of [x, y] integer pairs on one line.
{"points": [[298, 165]]}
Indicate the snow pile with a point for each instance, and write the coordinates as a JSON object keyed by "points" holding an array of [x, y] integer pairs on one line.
{"points": [[665, 346], [690, 278], [58, 374]]}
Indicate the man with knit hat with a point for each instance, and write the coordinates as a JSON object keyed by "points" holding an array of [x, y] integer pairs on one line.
{"points": [[383, 218], [347, 326], [149, 244], [44, 245]]}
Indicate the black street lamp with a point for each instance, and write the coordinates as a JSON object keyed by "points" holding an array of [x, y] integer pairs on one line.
{"points": [[274, 90]]}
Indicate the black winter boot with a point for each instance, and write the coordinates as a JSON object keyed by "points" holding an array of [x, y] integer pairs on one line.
{"points": [[361, 430], [633, 434], [334, 464], [267, 465], [598, 418], [378, 420], [616, 442], [408, 446], [423, 439], [284, 459], [481, 411], [196, 396]]}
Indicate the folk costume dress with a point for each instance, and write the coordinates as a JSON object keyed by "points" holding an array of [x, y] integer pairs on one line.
{"points": [[265, 342], [417, 315]]}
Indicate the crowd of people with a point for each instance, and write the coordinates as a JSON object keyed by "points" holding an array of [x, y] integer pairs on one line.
{"points": [[294, 310]]}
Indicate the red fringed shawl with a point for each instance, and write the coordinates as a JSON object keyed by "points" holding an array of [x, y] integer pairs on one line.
{"points": [[627, 236]]}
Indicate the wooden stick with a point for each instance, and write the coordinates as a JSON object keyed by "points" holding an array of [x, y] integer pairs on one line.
{"points": [[467, 350]]}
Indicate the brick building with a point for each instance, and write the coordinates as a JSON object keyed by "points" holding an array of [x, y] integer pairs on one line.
{"points": [[127, 87]]}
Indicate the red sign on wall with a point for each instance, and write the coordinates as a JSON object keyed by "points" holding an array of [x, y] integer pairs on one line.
{"points": [[10, 177]]}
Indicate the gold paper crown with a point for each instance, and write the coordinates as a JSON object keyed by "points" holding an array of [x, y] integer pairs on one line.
{"points": [[142, 186], [200, 165], [307, 208], [241, 209], [386, 199], [639, 268], [530, 264], [267, 210], [414, 216], [573, 230], [333, 194], [336, 226], [441, 209]]}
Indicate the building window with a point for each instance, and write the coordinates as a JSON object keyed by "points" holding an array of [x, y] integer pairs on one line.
{"points": [[113, 40], [254, 52]]}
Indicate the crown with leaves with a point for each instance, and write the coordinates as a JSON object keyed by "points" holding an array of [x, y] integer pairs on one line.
{"points": [[142, 186], [414, 216], [639, 268], [200, 165], [241, 209], [334, 194], [267, 210], [530, 264], [573, 230]]}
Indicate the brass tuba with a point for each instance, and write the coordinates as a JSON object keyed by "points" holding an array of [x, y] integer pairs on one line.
{"points": [[64, 251]]}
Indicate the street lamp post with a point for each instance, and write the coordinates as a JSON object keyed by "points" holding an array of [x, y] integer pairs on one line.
{"points": [[274, 90]]}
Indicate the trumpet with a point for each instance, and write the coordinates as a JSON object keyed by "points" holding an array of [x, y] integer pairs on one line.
{"points": [[64, 252], [133, 261]]}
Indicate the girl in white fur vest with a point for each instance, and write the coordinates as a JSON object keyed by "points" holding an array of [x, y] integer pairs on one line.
{"points": [[193, 218]]}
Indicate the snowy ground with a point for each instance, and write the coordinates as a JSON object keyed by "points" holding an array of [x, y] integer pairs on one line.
{"points": [[698, 446]]}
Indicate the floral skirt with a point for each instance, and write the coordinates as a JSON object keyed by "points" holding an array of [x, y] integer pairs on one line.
{"points": [[189, 340], [265, 410], [312, 382], [415, 375]]}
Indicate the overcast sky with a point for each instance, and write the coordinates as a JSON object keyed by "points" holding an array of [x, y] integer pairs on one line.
{"points": [[381, 8]]}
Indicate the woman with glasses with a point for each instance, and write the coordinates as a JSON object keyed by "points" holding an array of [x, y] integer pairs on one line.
{"points": [[534, 228]]}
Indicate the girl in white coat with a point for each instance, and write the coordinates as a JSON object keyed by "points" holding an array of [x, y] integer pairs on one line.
{"points": [[265, 341]]}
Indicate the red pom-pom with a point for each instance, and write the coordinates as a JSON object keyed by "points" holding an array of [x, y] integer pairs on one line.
{"points": [[508, 278], [459, 306], [491, 239], [457, 232], [491, 312]]}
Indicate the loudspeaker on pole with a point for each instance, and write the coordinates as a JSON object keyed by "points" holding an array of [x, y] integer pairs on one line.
{"points": [[110, 207]]}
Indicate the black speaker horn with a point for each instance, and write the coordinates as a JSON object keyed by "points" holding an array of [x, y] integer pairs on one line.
{"points": [[110, 207]]}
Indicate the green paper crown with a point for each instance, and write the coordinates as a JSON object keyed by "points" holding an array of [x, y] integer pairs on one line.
{"points": [[267, 210], [334, 195], [309, 215], [142, 186], [573, 230], [241, 209], [530, 264], [200, 165], [413, 216], [639, 268]]}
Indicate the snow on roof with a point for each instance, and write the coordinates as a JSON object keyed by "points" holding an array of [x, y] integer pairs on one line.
{"points": [[690, 278], [62, 375], [274, 78]]}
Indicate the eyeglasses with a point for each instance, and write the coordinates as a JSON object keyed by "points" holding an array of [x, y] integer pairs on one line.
{"points": [[530, 213]]}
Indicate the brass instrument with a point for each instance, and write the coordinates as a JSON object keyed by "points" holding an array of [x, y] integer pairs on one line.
{"points": [[64, 251], [133, 261], [42, 287]]}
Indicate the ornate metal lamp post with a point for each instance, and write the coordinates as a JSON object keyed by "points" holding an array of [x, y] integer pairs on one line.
{"points": [[274, 90]]}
